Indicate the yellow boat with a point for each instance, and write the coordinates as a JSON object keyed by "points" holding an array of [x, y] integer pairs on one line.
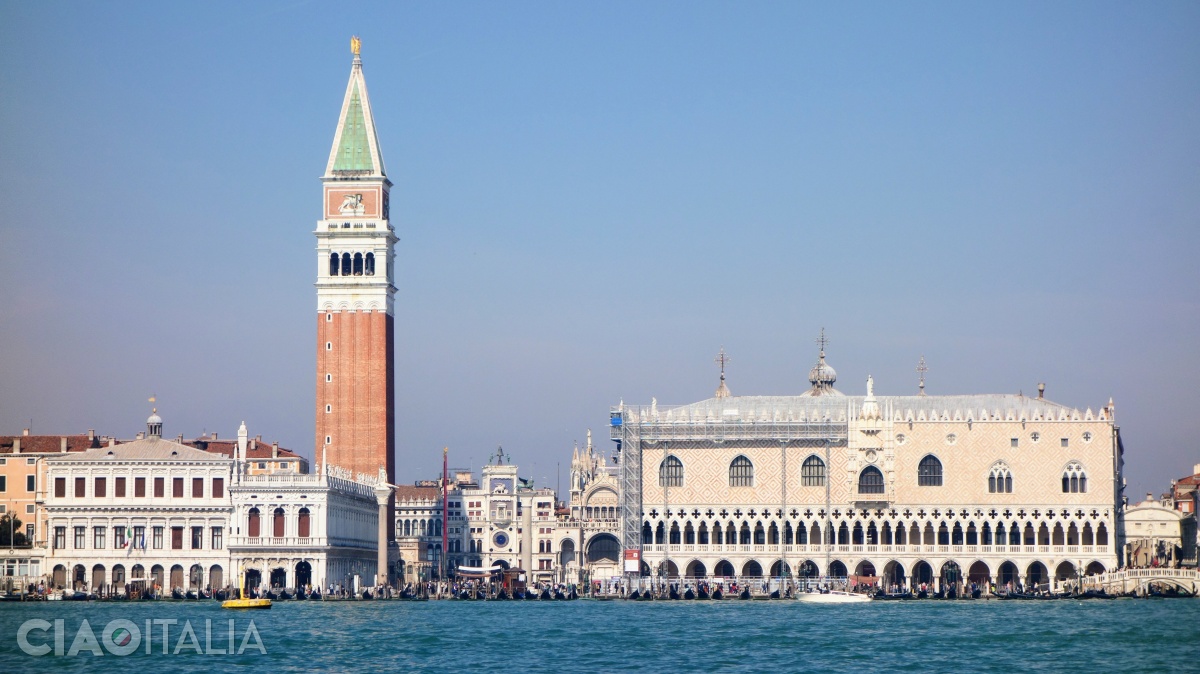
{"points": [[246, 603], [243, 602]]}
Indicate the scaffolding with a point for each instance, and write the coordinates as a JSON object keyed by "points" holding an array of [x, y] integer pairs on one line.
{"points": [[799, 422]]}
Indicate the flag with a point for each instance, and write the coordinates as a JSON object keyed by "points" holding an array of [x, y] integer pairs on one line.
{"points": [[128, 541]]}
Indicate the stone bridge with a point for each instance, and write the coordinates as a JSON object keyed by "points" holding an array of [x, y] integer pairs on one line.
{"points": [[1138, 580]]}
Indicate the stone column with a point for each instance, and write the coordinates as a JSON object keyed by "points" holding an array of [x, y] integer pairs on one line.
{"points": [[383, 494]]}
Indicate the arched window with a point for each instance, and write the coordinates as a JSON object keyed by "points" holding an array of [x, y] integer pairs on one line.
{"points": [[253, 523], [333, 264], [1000, 479], [345, 264], [812, 473], [302, 524], [277, 523], [670, 472], [741, 473], [929, 472], [1074, 479], [870, 481], [358, 264], [370, 261]]}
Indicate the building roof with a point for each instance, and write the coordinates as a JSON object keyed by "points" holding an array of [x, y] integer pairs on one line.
{"points": [[355, 151], [412, 493], [837, 408], [47, 444], [146, 449], [255, 451]]}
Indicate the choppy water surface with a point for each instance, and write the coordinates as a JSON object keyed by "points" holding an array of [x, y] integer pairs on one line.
{"points": [[987, 636]]}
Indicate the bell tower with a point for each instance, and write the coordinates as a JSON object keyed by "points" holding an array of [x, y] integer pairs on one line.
{"points": [[356, 407]]}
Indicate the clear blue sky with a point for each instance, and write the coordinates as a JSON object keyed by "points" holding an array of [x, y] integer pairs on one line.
{"points": [[592, 198]]}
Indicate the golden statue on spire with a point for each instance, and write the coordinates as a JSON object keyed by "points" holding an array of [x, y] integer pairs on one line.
{"points": [[355, 45]]}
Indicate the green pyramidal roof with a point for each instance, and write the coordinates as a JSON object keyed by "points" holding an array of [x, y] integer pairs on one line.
{"points": [[354, 151]]}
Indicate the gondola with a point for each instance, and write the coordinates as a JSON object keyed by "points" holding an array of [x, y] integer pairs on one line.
{"points": [[922, 595], [718, 594], [501, 595], [775, 594], [221, 595], [284, 594], [702, 593], [558, 594], [315, 595], [976, 593], [191, 595], [635, 595], [177, 594], [689, 594], [745, 594], [301, 594], [366, 594], [531, 595], [546, 596]]}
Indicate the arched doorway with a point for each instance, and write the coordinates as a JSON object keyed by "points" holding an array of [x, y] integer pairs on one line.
{"points": [[893, 575], [952, 576], [278, 577], [1037, 577], [1066, 572], [672, 571], [922, 573], [1008, 575], [603, 548], [59, 577], [752, 569], [79, 577], [980, 574], [137, 577], [118, 577], [864, 568], [696, 569], [253, 579], [837, 569], [177, 577], [1095, 569], [566, 554], [216, 577], [645, 570], [723, 568], [780, 568], [97, 578], [157, 577], [303, 574], [195, 576], [808, 569]]}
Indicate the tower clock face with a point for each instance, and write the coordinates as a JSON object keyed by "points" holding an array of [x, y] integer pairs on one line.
{"points": [[500, 539], [387, 206]]}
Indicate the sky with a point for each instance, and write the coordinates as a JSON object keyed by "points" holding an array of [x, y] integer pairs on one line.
{"points": [[592, 199]]}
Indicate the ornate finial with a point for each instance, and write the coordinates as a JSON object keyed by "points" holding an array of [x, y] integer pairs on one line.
{"points": [[722, 359], [355, 45], [921, 370], [822, 342]]}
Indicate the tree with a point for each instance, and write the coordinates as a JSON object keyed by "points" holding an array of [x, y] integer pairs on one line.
{"points": [[10, 532]]}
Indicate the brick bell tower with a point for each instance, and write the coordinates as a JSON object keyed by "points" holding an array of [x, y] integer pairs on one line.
{"points": [[356, 403]]}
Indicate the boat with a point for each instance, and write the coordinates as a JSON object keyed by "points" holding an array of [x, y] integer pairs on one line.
{"points": [[246, 603], [689, 594], [703, 593], [832, 597], [635, 595], [745, 594], [718, 594]]}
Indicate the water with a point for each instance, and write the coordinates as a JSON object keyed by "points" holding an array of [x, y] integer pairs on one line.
{"points": [[917, 636]]}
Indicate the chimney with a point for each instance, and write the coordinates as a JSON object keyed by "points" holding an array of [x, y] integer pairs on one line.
{"points": [[274, 450], [17, 446], [214, 437], [141, 435], [1196, 469], [112, 442], [62, 445], [25, 432], [254, 442], [258, 437], [1149, 496], [91, 434], [1041, 390], [179, 438]]}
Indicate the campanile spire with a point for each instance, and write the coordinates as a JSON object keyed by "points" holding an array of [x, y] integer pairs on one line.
{"points": [[355, 415]]}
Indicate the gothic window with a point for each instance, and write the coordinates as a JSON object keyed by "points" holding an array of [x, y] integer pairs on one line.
{"points": [[870, 481], [370, 262], [812, 473], [333, 264], [1074, 479], [345, 264], [670, 472], [358, 264], [741, 473], [1000, 479], [929, 472]]}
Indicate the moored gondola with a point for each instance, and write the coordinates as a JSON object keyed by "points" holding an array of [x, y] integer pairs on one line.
{"points": [[745, 594], [718, 594], [702, 593], [689, 594], [635, 595]]}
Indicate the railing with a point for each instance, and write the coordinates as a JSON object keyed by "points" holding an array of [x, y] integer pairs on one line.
{"points": [[871, 549]]}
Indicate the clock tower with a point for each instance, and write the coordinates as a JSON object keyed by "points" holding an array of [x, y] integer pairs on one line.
{"points": [[356, 403]]}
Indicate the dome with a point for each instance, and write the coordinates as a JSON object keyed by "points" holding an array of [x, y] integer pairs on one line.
{"points": [[154, 419], [822, 374]]}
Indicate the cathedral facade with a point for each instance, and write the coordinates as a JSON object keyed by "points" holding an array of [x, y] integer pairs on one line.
{"points": [[895, 490]]}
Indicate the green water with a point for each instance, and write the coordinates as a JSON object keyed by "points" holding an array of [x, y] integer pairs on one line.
{"points": [[917, 636]]}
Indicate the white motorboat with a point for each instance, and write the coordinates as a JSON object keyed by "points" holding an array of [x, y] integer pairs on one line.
{"points": [[832, 597]]}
